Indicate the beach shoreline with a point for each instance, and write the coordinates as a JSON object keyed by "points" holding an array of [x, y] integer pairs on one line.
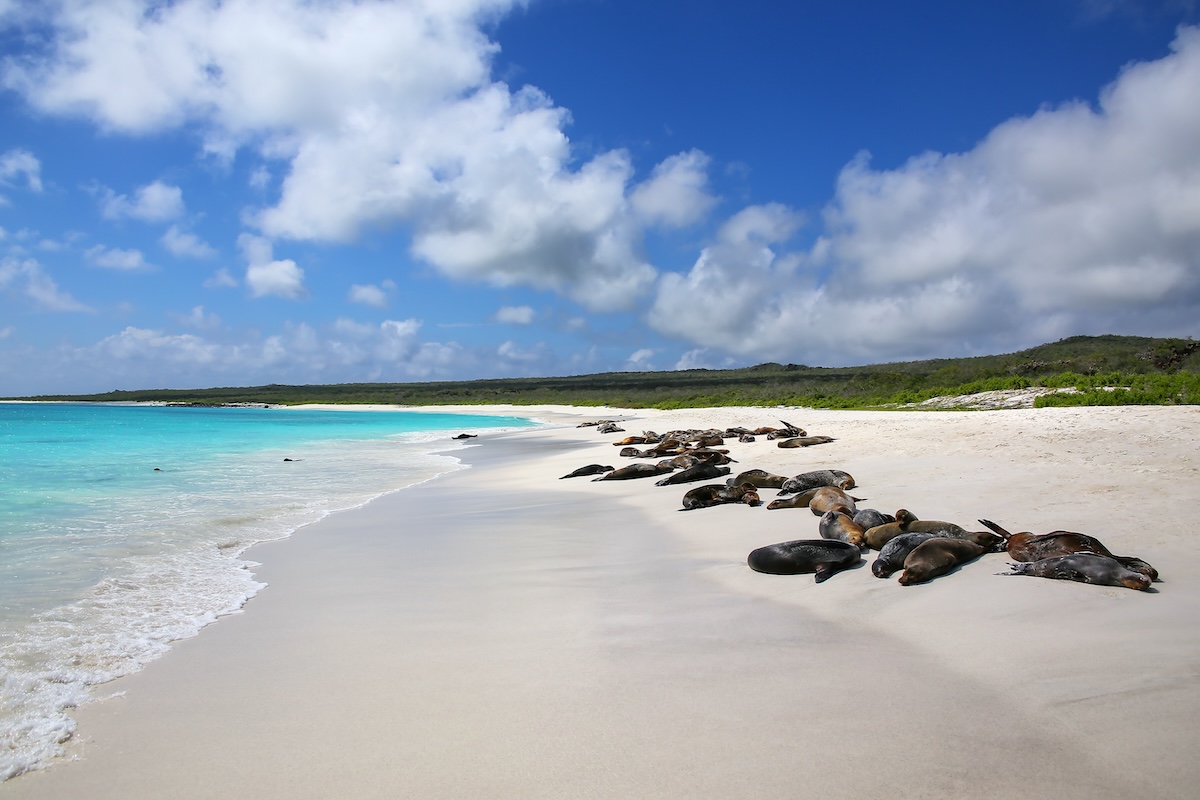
{"points": [[555, 638]]}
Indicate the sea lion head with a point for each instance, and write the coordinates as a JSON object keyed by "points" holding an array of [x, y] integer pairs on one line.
{"points": [[1135, 580], [751, 498], [904, 517]]}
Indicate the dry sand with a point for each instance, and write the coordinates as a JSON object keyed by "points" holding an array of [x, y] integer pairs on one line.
{"points": [[501, 633]]}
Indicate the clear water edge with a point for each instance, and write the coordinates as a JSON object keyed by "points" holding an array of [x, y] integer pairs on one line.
{"points": [[166, 576]]}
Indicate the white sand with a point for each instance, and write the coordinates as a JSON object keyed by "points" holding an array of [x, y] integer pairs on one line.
{"points": [[501, 633]]}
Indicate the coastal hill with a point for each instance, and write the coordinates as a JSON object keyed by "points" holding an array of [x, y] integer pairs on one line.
{"points": [[1088, 370]]}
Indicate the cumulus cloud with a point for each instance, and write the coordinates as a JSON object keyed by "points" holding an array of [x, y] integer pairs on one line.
{"points": [[19, 163], [221, 279], [677, 192], [1077, 219], [267, 276], [154, 202], [640, 360], [515, 315], [117, 258], [381, 112], [27, 278], [368, 295], [185, 244]]}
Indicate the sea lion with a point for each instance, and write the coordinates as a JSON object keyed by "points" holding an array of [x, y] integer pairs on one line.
{"points": [[826, 498], [891, 557], [590, 469], [817, 478], [937, 556], [1083, 567], [760, 478], [804, 441], [465, 436], [822, 556], [630, 452], [836, 524], [609, 427], [696, 472], [746, 438], [635, 471], [630, 440], [1026, 546], [869, 518], [796, 501], [713, 494], [789, 430], [907, 522]]}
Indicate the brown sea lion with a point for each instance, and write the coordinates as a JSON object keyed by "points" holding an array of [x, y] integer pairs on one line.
{"points": [[817, 478], [630, 440], [826, 498], [1026, 546], [1085, 568], [760, 478], [937, 556], [822, 556], [837, 524], [635, 471], [590, 469], [804, 441], [795, 501], [714, 494], [696, 472]]}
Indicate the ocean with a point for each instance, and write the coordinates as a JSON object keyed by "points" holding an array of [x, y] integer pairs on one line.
{"points": [[122, 529]]}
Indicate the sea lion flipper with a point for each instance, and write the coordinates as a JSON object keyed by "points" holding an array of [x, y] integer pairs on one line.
{"points": [[823, 573], [988, 523]]}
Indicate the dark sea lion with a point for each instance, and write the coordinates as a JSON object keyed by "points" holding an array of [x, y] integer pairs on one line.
{"points": [[822, 556], [937, 556], [869, 518], [891, 557], [590, 469], [746, 438], [1085, 568], [697, 472], [836, 524], [630, 452], [634, 471], [714, 494], [464, 436], [760, 478], [787, 431], [826, 498], [609, 427], [817, 478], [1026, 546], [795, 501], [804, 441]]}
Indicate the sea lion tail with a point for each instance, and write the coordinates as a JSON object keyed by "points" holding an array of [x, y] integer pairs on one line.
{"points": [[1016, 569], [824, 573], [988, 523]]}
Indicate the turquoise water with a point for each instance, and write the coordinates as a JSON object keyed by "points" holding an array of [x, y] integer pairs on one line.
{"points": [[122, 527]]}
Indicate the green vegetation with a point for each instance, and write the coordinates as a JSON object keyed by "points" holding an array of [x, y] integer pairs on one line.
{"points": [[1104, 370]]}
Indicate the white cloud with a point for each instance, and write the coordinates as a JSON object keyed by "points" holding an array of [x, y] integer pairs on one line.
{"points": [[369, 295], [27, 278], [199, 318], [515, 315], [186, 245], [116, 258], [267, 276], [511, 351], [1073, 220], [640, 360], [221, 279], [279, 278], [154, 202], [677, 192], [20, 163], [381, 112]]}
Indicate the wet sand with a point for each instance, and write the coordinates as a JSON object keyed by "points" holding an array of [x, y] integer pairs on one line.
{"points": [[499, 632]]}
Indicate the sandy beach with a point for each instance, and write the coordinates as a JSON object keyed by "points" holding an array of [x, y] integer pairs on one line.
{"points": [[501, 633]]}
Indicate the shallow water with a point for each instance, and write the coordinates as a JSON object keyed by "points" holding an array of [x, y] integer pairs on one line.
{"points": [[121, 529]]}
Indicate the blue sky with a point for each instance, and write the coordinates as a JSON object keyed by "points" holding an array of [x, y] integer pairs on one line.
{"points": [[274, 191]]}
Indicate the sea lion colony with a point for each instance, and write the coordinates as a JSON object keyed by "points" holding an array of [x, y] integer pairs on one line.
{"points": [[920, 550]]}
